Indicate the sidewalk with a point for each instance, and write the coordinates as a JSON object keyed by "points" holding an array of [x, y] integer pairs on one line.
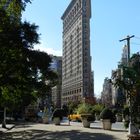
{"points": [[74, 131]]}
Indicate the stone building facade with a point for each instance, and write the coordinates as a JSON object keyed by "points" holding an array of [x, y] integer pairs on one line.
{"points": [[76, 60]]}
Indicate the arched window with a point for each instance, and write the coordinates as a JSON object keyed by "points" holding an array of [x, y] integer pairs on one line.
{"points": [[74, 9], [77, 5]]}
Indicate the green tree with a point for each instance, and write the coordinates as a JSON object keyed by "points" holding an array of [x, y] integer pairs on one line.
{"points": [[98, 108], [14, 8], [72, 106], [130, 82], [23, 71]]}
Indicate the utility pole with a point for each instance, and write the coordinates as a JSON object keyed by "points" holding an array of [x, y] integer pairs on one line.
{"points": [[132, 128], [128, 45]]}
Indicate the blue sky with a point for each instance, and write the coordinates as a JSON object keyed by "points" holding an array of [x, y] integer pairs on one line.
{"points": [[111, 21]]}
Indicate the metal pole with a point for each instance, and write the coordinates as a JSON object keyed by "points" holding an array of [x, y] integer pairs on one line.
{"points": [[131, 126], [128, 45]]}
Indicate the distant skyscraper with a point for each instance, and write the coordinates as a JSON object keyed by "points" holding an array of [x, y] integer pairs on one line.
{"points": [[118, 94], [56, 66], [106, 95], [124, 60], [76, 62]]}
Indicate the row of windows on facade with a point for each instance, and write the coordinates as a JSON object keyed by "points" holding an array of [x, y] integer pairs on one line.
{"points": [[75, 64], [73, 40], [73, 12], [76, 50], [76, 53], [71, 27], [77, 21], [72, 71], [69, 70], [76, 61], [69, 75], [72, 60], [72, 46], [76, 29], [72, 55], [75, 44], [76, 80], [69, 99], [70, 37], [72, 92], [75, 56]]}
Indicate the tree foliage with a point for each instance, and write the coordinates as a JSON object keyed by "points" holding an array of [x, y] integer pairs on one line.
{"points": [[23, 71], [130, 82]]}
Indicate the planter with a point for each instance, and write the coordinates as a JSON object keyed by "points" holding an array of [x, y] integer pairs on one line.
{"points": [[106, 124], [86, 120], [45, 120], [86, 123], [56, 120]]}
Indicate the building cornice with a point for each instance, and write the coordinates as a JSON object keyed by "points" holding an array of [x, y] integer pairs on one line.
{"points": [[68, 9]]}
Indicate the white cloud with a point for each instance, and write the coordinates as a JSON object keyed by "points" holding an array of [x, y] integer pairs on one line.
{"points": [[51, 51]]}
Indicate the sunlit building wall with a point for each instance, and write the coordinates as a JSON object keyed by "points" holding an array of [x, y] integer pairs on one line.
{"points": [[76, 61]]}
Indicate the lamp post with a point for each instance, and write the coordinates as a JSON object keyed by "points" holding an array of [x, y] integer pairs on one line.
{"points": [[132, 128]]}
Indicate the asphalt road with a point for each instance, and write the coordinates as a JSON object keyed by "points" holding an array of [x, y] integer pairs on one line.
{"points": [[65, 131]]}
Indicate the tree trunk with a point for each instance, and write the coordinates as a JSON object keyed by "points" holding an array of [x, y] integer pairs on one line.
{"points": [[4, 118]]}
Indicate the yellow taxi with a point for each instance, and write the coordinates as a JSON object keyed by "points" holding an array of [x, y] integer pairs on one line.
{"points": [[75, 117]]}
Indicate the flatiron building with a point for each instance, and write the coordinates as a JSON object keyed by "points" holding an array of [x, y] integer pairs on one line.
{"points": [[76, 59]]}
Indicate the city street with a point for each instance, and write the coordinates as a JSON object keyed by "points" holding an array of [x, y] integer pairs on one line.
{"points": [[74, 131]]}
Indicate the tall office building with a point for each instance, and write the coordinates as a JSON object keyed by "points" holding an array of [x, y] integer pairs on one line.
{"points": [[76, 62], [56, 66], [106, 95], [124, 59]]}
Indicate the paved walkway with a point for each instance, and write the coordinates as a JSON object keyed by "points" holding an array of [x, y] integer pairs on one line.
{"points": [[74, 131]]}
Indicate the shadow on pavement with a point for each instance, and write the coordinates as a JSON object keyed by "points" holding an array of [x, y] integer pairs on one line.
{"points": [[23, 124], [48, 135], [115, 130]]}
